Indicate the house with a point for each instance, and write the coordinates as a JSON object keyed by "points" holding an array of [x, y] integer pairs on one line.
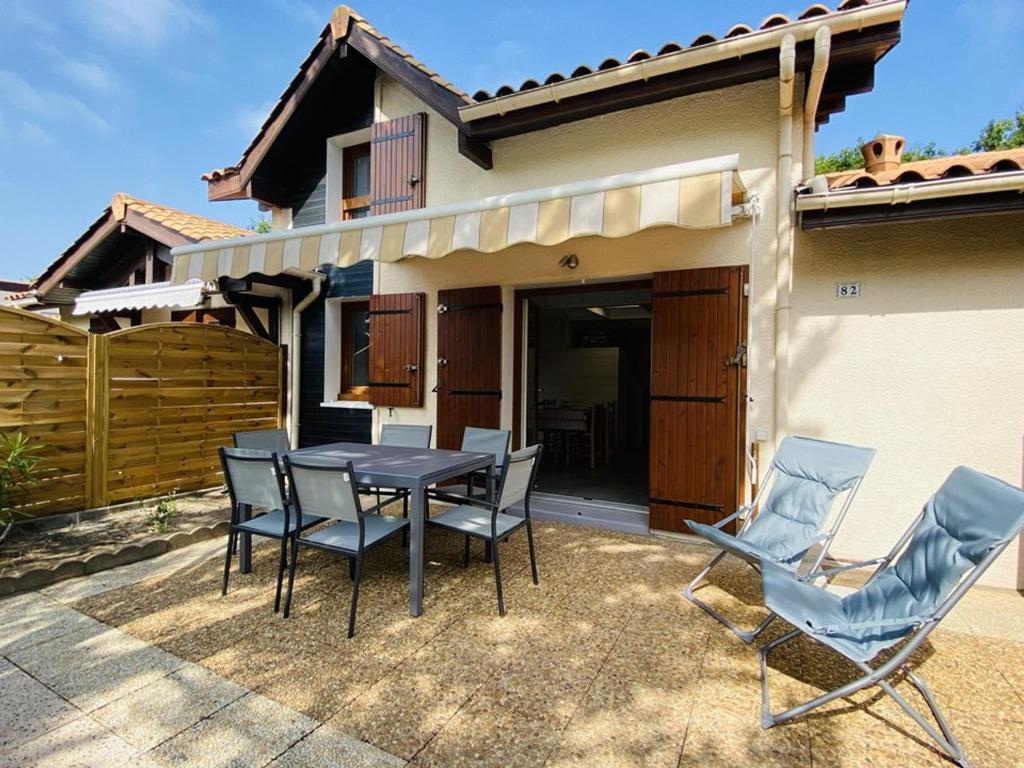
{"points": [[117, 274], [634, 264]]}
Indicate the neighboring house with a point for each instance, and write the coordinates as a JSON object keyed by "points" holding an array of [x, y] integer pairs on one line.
{"points": [[117, 274], [634, 265]]}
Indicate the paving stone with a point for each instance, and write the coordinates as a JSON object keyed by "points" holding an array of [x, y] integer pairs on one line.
{"points": [[28, 708], [32, 618], [94, 666], [168, 706], [82, 743], [251, 731], [329, 747]]}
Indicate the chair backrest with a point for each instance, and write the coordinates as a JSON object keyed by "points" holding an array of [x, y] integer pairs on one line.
{"points": [[253, 477], [477, 440], [518, 477], [808, 475], [324, 488], [405, 435], [962, 529], [264, 440]]}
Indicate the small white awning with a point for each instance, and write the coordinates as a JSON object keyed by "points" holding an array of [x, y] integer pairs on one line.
{"points": [[151, 296], [699, 194]]}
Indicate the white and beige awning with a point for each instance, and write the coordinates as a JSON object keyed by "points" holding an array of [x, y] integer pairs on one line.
{"points": [[699, 194], [189, 294]]}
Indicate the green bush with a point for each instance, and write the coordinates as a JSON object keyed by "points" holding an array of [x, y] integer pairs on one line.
{"points": [[19, 470]]}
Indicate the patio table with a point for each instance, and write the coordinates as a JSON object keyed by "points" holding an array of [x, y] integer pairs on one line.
{"points": [[411, 469]]}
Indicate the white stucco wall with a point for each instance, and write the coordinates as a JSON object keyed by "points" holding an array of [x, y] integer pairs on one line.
{"points": [[926, 367], [742, 120]]}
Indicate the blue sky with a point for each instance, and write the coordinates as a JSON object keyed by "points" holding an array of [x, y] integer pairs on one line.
{"points": [[142, 96]]}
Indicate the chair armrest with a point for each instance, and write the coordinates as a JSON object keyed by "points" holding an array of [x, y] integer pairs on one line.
{"points": [[828, 573], [737, 515], [844, 630]]}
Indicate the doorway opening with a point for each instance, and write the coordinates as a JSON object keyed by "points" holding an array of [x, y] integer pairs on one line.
{"points": [[587, 383]]}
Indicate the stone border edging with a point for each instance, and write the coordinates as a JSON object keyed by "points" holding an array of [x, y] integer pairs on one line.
{"points": [[104, 561]]}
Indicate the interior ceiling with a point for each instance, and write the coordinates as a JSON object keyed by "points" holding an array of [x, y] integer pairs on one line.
{"points": [[582, 300]]}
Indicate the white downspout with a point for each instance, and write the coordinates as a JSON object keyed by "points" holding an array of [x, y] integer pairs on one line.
{"points": [[295, 361], [822, 53], [784, 236]]}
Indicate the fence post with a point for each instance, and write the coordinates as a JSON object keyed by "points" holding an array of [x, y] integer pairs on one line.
{"points": [[96, 418]]}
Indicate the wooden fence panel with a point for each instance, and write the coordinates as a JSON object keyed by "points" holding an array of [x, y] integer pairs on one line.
{"points": [[175, 393], [44, 383]]}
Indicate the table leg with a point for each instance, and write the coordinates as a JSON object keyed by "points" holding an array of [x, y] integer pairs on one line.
{"points": [[416, 514], [245, 543]]}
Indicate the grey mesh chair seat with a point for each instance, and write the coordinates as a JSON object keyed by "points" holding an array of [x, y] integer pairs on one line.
{"points": [[345, 535], [273, 523], [962, 529], [477, 518], [328, 488], [476, 522], [805, 477]]}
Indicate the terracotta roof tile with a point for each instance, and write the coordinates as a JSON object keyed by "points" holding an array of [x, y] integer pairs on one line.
{"points": [[953, 166], [190, 225], [737, 30]]}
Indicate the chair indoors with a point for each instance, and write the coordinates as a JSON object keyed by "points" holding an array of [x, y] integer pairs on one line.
{"points": [[329, 490], [477, 518], [254, 478], [960, 532], [805, 477]]}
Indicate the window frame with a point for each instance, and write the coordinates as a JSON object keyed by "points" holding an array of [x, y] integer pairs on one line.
{"points": [[346, 390], [351, 203]]}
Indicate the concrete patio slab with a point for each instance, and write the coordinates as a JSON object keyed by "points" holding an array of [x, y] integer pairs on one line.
{"points": [[28, 708], [95, 666], [251, 731], [82, 743], [155, 713], [33, 618], [329, 747]]}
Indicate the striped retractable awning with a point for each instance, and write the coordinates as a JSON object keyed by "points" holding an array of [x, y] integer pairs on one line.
{"points": [[698, 194]]}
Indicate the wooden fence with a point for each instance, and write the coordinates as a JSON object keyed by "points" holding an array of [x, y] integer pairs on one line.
{"points": [[133, 414]]}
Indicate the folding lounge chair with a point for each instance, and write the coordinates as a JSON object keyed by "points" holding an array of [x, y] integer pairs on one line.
{"points": [[963, 528], [808, 474]]}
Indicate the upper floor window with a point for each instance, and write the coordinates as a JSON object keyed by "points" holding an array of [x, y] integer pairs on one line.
{"points": [[355, 180]]}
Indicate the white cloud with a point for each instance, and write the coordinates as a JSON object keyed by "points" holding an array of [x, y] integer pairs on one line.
{"points": [[33, 133], [89, 74], [43, 104], [142, 23]]}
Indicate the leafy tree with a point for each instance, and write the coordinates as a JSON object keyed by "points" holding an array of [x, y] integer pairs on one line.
{"points": [[260, 224], [996, 135], [1001, 134]]}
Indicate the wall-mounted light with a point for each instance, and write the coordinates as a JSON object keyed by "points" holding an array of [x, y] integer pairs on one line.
{"points": [[569, 261]]}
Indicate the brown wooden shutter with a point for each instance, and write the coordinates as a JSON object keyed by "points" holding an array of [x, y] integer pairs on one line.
{"points": [[696, 391], [396, 349], [398, 161], [469, 362]]}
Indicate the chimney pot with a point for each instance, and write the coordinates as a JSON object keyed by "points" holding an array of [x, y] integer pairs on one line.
{"points": [[883, 153]]}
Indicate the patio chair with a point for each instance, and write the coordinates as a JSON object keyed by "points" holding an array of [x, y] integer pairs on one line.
{"points": [[479, 519], [275, 440], [254, 478], [405, 436], [479, 440], [804, 479], [962, 529], [329, 490]]}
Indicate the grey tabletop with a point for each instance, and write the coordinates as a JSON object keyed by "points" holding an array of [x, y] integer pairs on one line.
{"points": [[396, 467]]}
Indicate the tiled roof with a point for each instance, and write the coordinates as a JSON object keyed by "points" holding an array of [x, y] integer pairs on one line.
{"points": [[737, 30], [953, 166], [342, 16], [189, 225]]}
